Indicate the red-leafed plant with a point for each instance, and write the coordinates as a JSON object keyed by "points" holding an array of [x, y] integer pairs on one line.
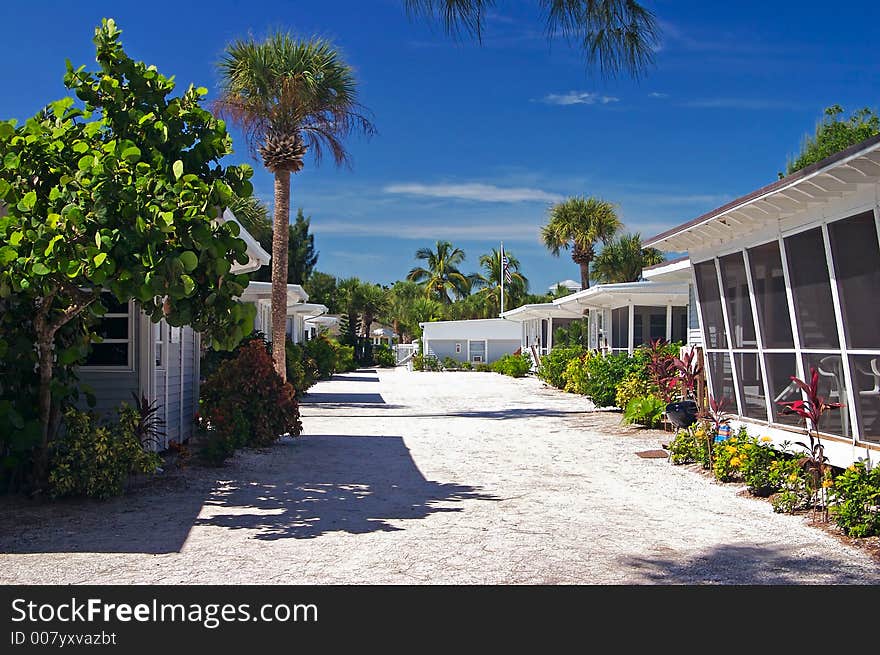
{"points": [[661, 369], [246, 403], [811, 408], [689, 369], [713, 417]]}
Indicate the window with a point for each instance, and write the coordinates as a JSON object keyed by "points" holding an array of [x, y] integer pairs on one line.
{"points": [[866, 382], [811, 287], [158, 343], [739, 304], [680, 324], [721, 376], [620, 328], [457, 348], [856, 255], [771, 300], [832, 385], [710, 305], [751, 384], [114, 328], [780, 368], [478, 351]]}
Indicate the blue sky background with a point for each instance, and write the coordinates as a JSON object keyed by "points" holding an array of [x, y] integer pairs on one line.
{"points": [[476, 140]]}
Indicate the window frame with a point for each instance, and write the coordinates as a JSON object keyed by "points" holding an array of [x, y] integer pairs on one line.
{"points": [[128, 367]]}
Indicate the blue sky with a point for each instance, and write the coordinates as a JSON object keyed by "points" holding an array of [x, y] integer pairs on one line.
{"points": [[474, 141]]}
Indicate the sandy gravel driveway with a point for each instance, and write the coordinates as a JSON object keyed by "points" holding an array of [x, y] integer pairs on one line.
{"points": [[407, 477]]}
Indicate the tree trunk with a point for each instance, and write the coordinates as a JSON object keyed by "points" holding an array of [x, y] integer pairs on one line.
{"points": [[44, 347], [368, 321], [585, 275], [280, 238]]}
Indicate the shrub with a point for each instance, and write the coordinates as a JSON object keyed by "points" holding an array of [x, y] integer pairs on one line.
{"points": [[451, 364], [325, 354], [250, 386], [855, 501], [302, 370], [603, 375], [96, 460], [788, 476], [689, 446], [647, 411], [757, 465], [515, 366], [633, 386], [467, 366], [426, 363], [384, 356], [345, 361], [730, 456], [575, 374], [483, 367], [553, 364]]}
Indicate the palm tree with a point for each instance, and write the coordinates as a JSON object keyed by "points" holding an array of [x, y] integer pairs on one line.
{"points": [[425, 310], [288, 96], [253, 214], [441, 275], [623, 259], [615, 35], [489, 281], [348, 293], [580, 223], [374, 301], [403, 293]]}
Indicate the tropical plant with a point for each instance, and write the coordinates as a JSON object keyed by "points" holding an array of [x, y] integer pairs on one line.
{"points": [[855, 500], [400, 311], [578, 224], [253, 214], [384, 356], [576, 333], [149, 425], [441, 278], [321, 288], [661, 369], [689, 370], [374, 301], [811, 408], [634, 385], [623, 259], [95, 460], [616, 36], [552, 366], [289, 96], [516, 366], [425, 310], [689, 446], [301, 254], [348, 293], [645, 410], [80, 222], [833, 135], [488, 281]]}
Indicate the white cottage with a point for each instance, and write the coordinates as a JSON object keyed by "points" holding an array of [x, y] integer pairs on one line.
{"points": [[785, 280], [475, 341], [153, 360]]}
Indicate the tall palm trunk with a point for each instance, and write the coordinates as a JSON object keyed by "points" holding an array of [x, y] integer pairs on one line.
{"points": [[585, 275], [280, 236]]}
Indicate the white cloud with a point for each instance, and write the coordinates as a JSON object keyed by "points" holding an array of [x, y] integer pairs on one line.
{"points": [[474, 191], [658, 94], [523, 231], [577, 98]]}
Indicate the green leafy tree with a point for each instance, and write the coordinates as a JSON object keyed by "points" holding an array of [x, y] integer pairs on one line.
{"points": [[301, 254], [425, 310], [623, 259], [833, 135], [441, 278], [321, 288], [374, 300], [615, 36], [349, 297], [578, 224], [399, 314], [119, 196], [253, 214], [289, 96], [489, 282]]}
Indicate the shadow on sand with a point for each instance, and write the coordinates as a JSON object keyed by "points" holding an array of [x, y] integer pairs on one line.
{"points": [[744, 565], [355, 484]]}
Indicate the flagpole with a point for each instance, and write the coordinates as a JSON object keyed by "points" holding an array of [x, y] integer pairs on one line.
{"points": [[501, 271]]}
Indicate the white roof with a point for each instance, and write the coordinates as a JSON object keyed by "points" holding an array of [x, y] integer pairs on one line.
{"points": [[307, 308], [322, 319], [677, 270], [568, 284], [263, 291], [257, 257], [476, 329], [831, 178], [609, 296], [540, 310]]}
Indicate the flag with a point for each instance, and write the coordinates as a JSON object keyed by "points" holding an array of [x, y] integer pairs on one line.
{"points": [[505, 266]]}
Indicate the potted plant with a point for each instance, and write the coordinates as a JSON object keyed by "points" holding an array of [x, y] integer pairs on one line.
{"points": [[683, 412]]}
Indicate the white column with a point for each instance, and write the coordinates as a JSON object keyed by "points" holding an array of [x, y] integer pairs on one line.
{"points": [[669, 322], [632, 330], [549, 334]]}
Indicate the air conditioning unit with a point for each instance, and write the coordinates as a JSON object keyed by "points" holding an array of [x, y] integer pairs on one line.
{"points": [[478, 358]]}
